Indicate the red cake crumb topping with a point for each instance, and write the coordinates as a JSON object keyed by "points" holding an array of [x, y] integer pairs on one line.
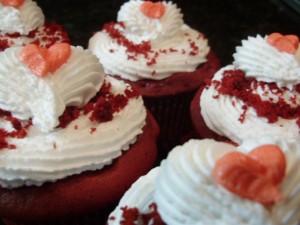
{"points": [[102, 107], [132, 216], [234, 83], [45, 36], [133, 50], [20, 130], [144, 48]]}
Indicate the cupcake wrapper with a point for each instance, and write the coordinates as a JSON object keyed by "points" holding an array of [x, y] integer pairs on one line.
{"points": [[173, 116]]}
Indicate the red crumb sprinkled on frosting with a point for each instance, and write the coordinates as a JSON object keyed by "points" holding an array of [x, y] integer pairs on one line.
{"points": [[92, 130], [194, 48], [131, 216], [45, 36], [71, 113], [144, 48], [102, 107], [20, 130], [54, 145], [4, 44], [234, 83]]}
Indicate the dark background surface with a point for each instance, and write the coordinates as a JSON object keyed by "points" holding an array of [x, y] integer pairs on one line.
{"points": [[225, 23]]}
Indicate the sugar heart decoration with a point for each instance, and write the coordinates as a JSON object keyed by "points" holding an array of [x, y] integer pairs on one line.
{"points": [[254, 176], [285, 43], [13, 3], [41, 61], [153, 10]]}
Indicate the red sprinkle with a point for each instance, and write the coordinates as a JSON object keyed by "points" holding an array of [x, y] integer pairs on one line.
{"points": [[93, 129], [102, 108], [45, 36], [20, 131], [131, 216], [234, 83], [144, 48]]}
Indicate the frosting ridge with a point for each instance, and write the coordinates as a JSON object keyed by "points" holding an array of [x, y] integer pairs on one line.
{"points": [[138, 47]]}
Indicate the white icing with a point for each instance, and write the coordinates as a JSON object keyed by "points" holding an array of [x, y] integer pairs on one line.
{"points": [[40, 36], [222, 114], [141, 28], [21, 20], [186, 193], [42, 157], [26, 95], [164, 34], [266, 63]]}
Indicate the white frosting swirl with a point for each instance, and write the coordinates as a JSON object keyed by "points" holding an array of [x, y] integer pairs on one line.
{"points": [[266, 63], [221, 114], [185, 192], [175, 47], [83, 145], [26, 95], [139, 28], [287, 211], [139, 195], [21, 20]]}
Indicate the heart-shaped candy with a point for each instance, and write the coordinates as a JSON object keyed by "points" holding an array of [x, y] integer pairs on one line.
{"points": [[254, 176], [13, 3], [42, 61], [153, 10], [285, 43]]}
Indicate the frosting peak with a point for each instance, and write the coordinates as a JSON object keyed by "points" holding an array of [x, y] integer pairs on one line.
{"points": [[140, 47], [44, 99], [23, 19], [140, 27], [267, 63]]}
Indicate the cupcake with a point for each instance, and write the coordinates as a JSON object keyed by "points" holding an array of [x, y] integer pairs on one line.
{"points": [[257, 95], [152, 48], [22, 22], [72, 139], [210, 182]]}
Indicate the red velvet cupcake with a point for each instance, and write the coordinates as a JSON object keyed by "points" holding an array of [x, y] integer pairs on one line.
{"points": [[22, 22], [255, 96], [70, 145], [151, 48]]}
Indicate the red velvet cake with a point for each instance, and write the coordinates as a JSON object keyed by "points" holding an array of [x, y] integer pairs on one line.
{"points": [[255, 96], [152, 48], [70, 145], [22, 22]]}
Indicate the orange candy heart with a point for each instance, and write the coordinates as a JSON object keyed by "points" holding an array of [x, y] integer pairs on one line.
{"points": [[42, 61], [153, 10], [285, 43], [57, 55], [254, 176], [13, 3], [35, 57]]}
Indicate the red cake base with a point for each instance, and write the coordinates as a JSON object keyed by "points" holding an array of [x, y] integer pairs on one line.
{"points": [[95, 191]]}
